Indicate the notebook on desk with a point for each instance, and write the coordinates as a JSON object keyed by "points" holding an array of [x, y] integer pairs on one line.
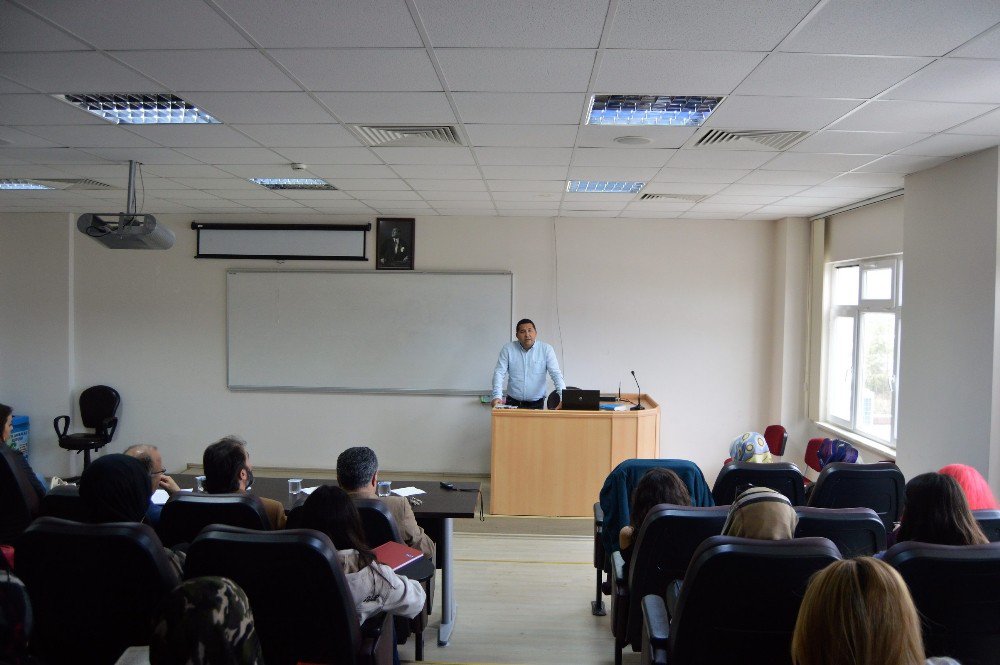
{"points": [[581, 400]]}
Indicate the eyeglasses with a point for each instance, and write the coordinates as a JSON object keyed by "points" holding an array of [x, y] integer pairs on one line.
{"points": [[158, 473]]}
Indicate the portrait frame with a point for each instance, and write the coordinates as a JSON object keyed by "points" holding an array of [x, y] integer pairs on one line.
{"points": [[394, 252]]}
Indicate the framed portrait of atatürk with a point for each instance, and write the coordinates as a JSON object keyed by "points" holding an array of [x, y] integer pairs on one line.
{"points": [[394, 243]]}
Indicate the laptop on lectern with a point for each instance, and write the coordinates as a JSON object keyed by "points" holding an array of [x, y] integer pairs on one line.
{"points": [[581, 400]]}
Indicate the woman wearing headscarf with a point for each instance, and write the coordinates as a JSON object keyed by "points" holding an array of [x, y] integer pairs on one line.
{"points": [[115, 488], [977, 490], [837, 450], [750, 447], [761, 513], [205, 621]]}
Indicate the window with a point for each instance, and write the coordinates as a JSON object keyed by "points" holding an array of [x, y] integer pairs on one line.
{"points": [[862, 351]]}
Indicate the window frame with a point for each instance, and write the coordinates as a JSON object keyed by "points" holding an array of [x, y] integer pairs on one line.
{"points": [[893, 304]]}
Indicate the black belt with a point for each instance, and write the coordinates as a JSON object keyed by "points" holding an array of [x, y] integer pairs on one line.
{"points": [[523, 404]]}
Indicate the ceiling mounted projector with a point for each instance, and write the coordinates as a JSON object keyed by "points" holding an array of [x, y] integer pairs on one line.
{"points": [[126, 230]]}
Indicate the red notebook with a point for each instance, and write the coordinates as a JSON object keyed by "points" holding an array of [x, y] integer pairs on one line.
{"points": [[396, 555]]}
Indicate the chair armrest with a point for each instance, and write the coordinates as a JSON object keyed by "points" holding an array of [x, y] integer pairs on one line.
{"points": [[376, 640], [108, 427], [65, 425], [618, 569], [655, 624], [598, 515], [619, 597]]}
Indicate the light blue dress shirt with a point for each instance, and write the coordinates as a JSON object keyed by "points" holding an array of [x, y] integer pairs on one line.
{"points": [[525, 371]]}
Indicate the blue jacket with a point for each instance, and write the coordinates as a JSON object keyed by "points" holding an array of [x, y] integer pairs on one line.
{"points": [[622, 480]]}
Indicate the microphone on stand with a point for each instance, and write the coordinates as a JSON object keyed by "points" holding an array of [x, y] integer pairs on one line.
{"points": [[639, 406]]}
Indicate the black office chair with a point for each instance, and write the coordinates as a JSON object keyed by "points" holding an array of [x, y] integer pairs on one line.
{"points": [[989, 522], [302, 605], [17, 496], [64, 502], [738, 604], [93, 587], [98, 406], [380, 527], [880, 487], [855, 531], [185, 514], [782, 477], [957, 592], [668, 538]]}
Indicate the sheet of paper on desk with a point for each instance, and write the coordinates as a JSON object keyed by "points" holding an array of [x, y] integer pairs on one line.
{"points": [[407, 491], [309, 490], [160, 497]]}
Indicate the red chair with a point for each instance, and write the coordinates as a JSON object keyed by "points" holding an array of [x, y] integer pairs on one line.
{"points": [[776, 437], [812, 454]]}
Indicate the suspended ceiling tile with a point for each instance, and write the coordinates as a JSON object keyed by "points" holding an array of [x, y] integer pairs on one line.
{"points": [[396, 108], [360, 69], [516, 70], [73, 72], [674, 72], [521, 108], [779, 113], [910, 116], [813, 75], [259, 107], [514, 23], [953, 80], [857, 143], [216, 70]]}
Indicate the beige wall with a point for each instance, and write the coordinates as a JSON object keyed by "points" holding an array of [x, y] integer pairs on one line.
{"points": [[687, 304]]}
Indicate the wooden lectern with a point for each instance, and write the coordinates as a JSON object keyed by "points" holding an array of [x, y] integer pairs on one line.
{"points": [[553, 463]]}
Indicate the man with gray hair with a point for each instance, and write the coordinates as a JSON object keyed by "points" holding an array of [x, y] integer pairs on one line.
{"points": [[158, 478], [357, 474]]}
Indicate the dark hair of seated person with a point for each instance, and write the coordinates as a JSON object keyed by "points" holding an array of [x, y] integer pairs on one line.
{"points": [[330, 510], [115, 488], [937, 512], [655, 487]]}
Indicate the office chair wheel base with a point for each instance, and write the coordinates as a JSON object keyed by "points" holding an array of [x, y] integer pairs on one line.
{"points": [[597, 609]]}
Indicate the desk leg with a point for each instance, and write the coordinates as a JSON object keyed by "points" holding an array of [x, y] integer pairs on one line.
{"points": [[449, 607]]}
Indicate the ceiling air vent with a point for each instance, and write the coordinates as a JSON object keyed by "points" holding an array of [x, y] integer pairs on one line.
{"points": [[673, 197], [407, 136], [750, 139], [71, 183]]}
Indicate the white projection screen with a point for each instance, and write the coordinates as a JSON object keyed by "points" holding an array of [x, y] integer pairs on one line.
{"points": [[366, 331]]}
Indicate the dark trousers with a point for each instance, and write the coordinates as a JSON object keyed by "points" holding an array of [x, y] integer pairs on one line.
{"points": [[537, 404]]}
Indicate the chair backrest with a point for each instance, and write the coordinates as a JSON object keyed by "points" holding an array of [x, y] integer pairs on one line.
{"points": [[957, 592], [667, 540], [98, 403], [64, 502], [379, 524], [302, 605], [616, 493], [880, 487], [782, 477], [855, 531], [812, 454], [93, 587], [989, 522], [185, 514], [776, 437], [740, 599], [17, 496]]}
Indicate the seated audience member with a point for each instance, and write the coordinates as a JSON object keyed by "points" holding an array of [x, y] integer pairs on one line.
{"points": [[977, 490], [6, 427], [859, 612], [374, 586], [357, 474], [936, 512], [15, 621], [761, 513], [158, 478], [205, 621], [655, 487], [750, 447], [115, 488], [228, 471]]}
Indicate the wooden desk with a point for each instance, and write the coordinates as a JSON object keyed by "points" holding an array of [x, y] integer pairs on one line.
{"points": [[553, 463], [435, 513]]}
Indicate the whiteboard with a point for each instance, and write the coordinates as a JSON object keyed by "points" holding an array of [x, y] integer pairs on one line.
{"points": [[366, 331]]}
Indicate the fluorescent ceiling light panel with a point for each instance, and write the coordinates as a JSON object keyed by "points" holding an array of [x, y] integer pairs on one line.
{"points": [[139, 108], [292, 183], [21, 184], [603, 186], [676, 110]]}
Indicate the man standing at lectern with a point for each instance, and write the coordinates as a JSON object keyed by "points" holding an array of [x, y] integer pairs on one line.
{"points": [[524, 364]]}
